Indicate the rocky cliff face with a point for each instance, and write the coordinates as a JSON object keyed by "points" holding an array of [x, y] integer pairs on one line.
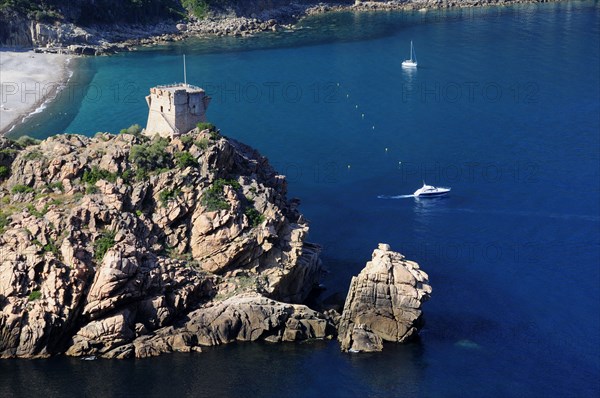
{"points": [[15, 30], [118, 246], [83, 22], [383, 303]]}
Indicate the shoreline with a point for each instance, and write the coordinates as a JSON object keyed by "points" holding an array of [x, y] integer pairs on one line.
{"points": [[106, 40], [239, 26], [27, 87], [287, 18]]}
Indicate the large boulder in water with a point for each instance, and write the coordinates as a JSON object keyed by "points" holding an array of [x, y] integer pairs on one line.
{"points": [[383, 303]]}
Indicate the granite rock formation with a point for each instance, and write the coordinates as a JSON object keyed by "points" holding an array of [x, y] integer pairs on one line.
{"points": [[244, 317], [121, 246], [383, 303]]}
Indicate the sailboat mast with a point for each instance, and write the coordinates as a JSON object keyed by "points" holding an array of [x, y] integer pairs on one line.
{"points": [[184, 72], [412, 61]]}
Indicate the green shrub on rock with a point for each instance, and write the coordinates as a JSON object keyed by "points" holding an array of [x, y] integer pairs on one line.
{"points": [[4, 172], [202, 144], [91, 189], [254, 216], [134, 129], [26, 141], [185, 159], [35, 212], [151, 156], [127, 175], [33, 155], [103, 244], [20, 188], [206, 126], [186, 139], [96, 174], [57, 186], [214, 197], [3, 221], [168, 194], [51, 247], [35, 295], [198, 8]]}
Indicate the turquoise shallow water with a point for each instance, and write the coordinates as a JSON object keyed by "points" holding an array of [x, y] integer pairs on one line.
{"points": [[504, 108]]}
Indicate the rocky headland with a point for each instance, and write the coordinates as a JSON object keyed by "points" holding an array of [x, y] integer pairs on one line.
{"points": [[121, 246], [107, 240]]}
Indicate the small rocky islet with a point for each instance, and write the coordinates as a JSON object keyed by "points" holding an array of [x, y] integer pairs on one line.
{"points": [[122, 246]]}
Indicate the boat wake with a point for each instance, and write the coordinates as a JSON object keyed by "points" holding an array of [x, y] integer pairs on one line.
{"points": [[395, 196]]}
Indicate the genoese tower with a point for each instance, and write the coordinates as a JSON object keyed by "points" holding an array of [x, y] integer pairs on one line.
{"points": [[175, 109]]}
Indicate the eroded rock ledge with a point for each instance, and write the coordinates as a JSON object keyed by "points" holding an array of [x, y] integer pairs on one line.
{"points": [[245, 317], [383, 303]]}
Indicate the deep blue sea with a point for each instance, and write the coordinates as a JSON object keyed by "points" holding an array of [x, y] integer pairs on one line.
{"points": [[504, 108]]}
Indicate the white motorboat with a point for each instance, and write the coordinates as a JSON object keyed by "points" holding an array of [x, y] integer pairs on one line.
{"points": [[412, 62], [428, 191]]}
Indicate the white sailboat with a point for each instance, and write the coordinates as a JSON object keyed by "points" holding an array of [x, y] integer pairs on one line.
{"points": [[412, 62]]}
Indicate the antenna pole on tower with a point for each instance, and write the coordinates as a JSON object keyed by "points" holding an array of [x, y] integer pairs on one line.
{"points": [[184, 72]]}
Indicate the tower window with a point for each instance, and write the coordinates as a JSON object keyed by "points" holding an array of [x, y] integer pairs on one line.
{"points": [[161, 109]]}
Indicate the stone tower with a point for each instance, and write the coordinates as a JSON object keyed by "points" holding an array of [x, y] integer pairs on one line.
{"points": [[175, 109]]}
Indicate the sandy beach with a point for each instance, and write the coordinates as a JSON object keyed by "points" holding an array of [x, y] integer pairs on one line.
{"points": [[27, 80]]}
